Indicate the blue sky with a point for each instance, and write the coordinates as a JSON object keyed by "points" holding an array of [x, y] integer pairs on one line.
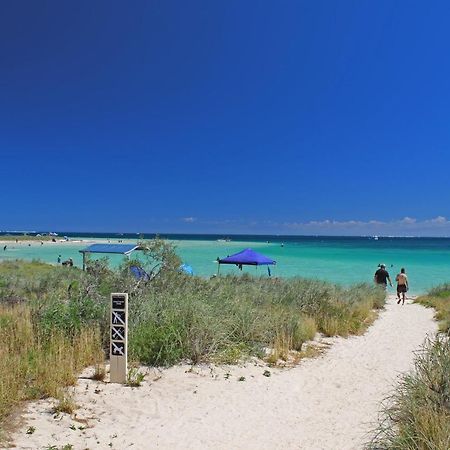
{"points": [[293, 117]]}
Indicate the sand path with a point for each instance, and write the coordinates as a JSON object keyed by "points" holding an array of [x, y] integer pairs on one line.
{"points": [[330, 402]]}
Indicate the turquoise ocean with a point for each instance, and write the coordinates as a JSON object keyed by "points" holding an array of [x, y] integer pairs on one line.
{"points": [[344, 260]]}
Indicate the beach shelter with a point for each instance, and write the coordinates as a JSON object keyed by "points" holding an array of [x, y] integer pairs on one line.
{"points": [[247, 257], [118, 249]]}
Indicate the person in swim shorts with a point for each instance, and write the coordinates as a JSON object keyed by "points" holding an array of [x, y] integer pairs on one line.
{"points": [[402, 286]]}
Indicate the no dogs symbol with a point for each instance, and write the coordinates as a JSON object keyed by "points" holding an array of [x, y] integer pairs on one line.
{"points": [[118, 348]]}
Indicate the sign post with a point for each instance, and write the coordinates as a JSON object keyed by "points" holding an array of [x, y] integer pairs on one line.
{"points": [[118, 338]]}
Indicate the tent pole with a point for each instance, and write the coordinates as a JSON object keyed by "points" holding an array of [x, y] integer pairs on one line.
{"points": [[218, 268], [84, 261]]}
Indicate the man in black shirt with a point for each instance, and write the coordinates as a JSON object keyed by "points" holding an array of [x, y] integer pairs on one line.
{"points": [[382, 276]]}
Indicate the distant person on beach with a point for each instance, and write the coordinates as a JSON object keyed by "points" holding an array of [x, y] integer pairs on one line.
{"points": [[4, 248], [402, 286], [68, 262], [59, 259], [381, 276]]}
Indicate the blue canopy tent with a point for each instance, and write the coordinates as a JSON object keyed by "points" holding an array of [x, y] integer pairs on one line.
{"points": [[247, 257], [118, 249]]}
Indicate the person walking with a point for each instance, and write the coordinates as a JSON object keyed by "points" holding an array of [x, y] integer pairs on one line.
{"points": [[402, 286], [382, 277]]}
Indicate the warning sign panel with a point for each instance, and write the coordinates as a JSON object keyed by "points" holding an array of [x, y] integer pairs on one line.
{"points": [[118, 317], [118, 302], [117, 333], [118, 348]]}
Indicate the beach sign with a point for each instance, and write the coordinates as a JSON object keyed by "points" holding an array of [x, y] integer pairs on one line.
{"points": [[118, 338]]}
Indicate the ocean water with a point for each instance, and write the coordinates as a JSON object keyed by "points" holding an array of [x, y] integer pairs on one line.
{"points": [[344, 260]]}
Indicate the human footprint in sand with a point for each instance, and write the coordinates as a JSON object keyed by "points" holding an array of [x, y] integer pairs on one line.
{"points": [[402, 286]]}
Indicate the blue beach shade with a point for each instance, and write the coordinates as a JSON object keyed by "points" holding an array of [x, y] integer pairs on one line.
{"points": [[247, 257], [120, 249], [123, 249]]}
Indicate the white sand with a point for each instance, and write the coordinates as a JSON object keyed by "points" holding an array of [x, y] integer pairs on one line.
{"points": [[330, 402]]}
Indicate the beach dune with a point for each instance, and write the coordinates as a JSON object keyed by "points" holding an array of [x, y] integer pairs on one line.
{"points": [[329, 402]]}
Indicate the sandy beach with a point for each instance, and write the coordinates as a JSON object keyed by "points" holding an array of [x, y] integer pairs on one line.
{"points": [[328, 402]]}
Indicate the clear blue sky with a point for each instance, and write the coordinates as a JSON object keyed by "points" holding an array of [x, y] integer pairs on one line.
{"points": [[261, 117]]}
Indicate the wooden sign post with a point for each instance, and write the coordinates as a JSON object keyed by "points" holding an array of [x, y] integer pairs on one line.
{"points": [[119, 333]]}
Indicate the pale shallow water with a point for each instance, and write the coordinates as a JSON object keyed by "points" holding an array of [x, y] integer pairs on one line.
{"points": [[338, 259]]}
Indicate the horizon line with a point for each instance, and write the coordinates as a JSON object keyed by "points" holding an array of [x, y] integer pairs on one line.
{"points": [[116, 233]]}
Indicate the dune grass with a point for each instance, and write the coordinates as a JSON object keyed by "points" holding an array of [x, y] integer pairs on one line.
{"points": [[417, 415], [439, 299]]}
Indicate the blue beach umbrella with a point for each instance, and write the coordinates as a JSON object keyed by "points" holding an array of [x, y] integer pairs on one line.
{"points": [[186, 269]]}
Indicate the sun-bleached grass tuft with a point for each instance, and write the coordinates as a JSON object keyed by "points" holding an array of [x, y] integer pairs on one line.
{"points": [[99, 372], [65, 403]]}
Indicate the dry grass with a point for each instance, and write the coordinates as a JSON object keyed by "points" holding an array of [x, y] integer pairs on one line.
{"points": [[66, 403], [99, 372], [34, 366]]}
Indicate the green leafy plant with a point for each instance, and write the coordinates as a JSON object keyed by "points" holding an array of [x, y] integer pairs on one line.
{"points": [[134, 377]]}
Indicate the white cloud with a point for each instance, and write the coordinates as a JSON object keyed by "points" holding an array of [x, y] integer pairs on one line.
{"points": [[439, 220], [406, 226], [408, 220], [189, 219]]}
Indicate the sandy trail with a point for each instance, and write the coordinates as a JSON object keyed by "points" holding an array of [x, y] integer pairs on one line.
{"points": [[330, 402]]}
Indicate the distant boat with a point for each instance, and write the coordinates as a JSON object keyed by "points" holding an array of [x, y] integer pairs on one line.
{"points": [[375, 238]]}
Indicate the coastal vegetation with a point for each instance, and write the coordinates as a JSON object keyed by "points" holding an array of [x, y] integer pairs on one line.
{"points": [[28, 237], [439, 299], [55, 320], [417, 415]]}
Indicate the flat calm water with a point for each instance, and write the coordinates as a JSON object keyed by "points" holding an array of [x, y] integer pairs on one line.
{"points": [[344, 260]]}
